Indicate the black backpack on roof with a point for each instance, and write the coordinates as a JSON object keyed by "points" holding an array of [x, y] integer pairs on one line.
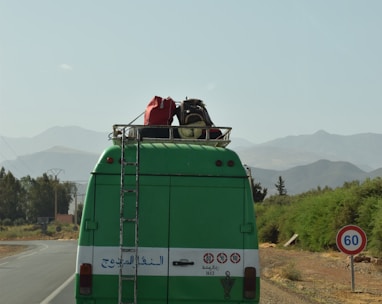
{"points": [[193, 111]]}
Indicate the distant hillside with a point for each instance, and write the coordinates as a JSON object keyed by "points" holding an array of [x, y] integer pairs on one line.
{"points": [[269, 157], [375, 173], [75, 165], [71, 137], [238, 143], [363, 150], [307, 177]]}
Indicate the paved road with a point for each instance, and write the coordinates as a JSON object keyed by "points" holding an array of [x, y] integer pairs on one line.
{"points": [[40, 275]]}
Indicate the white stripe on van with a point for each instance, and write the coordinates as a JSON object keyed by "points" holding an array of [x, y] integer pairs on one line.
{"points": [[153, 261]]}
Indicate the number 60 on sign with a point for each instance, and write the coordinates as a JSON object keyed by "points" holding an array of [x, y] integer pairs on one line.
{"points": [[351, 239]]}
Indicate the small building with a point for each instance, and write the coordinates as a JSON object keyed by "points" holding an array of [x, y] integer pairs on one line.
{"points": [[65, 218]]}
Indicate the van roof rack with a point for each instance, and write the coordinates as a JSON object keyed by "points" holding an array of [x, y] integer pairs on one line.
{"points": [[187, 134]]}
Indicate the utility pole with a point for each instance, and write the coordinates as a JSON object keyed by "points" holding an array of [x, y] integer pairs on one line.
{"points": [[55, 172], [76, 195], [75, 207]]}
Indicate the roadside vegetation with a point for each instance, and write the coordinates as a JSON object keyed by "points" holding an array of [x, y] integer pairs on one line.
{"points": [[316, 216]]}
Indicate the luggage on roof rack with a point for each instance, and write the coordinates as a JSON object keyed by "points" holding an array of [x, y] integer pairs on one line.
{"points": [[159, 112], [193, 113]]}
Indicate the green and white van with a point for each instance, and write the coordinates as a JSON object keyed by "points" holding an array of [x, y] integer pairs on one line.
{"points": [[168, 220]]}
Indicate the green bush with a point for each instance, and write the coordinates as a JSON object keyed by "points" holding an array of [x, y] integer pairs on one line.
{"points": [[7, 222], [269, 219], [269, 233], [375, 243], [19, 222]]}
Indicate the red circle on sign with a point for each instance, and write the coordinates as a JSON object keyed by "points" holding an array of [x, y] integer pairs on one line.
{"points": [[347, 245], [208, 258], [222, 258], [235, 258]]}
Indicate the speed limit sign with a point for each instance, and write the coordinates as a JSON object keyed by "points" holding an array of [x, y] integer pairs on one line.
{"points": [[351, 239]]}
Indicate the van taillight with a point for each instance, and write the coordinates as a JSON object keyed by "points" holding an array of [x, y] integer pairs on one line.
{"points": [[249, 282], [85, 279]]}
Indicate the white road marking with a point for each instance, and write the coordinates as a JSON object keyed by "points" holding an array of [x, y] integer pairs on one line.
{"points": [[26, 255], [58, 290]]}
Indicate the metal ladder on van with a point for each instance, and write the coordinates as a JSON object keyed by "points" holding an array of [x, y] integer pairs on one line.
{"points": [[128, 220]]}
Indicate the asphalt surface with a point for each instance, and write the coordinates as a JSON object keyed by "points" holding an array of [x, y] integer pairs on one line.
{"points": [[42, 274]]}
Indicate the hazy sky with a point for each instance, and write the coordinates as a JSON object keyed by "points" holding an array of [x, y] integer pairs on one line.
{"points": [[267, 68]]}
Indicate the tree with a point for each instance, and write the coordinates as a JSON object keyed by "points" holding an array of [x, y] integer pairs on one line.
{"points": [[66, 191], [80, 209], [42, 196], [26, 184], [258, 192], [280, 186], [11, 196]]}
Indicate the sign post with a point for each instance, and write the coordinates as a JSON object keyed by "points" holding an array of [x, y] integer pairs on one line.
{"points": [[351, 240]]}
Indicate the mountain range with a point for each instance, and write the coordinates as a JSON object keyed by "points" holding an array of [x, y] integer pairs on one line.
{"points": [[321, 173], [363, 150], [304, 161]]}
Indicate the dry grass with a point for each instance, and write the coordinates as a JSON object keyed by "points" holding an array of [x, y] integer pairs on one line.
{"points": [[290, 272], [7, 250], [34, 232], [54, 231]]}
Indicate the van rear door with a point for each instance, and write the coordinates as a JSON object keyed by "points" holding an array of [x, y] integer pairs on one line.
{"points": [[206, 258], [153, 239]]}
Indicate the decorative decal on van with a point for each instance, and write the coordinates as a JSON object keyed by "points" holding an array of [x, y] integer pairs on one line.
{"points": [[208, 258], [221, 258], [227, 284], [235, 258]]}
